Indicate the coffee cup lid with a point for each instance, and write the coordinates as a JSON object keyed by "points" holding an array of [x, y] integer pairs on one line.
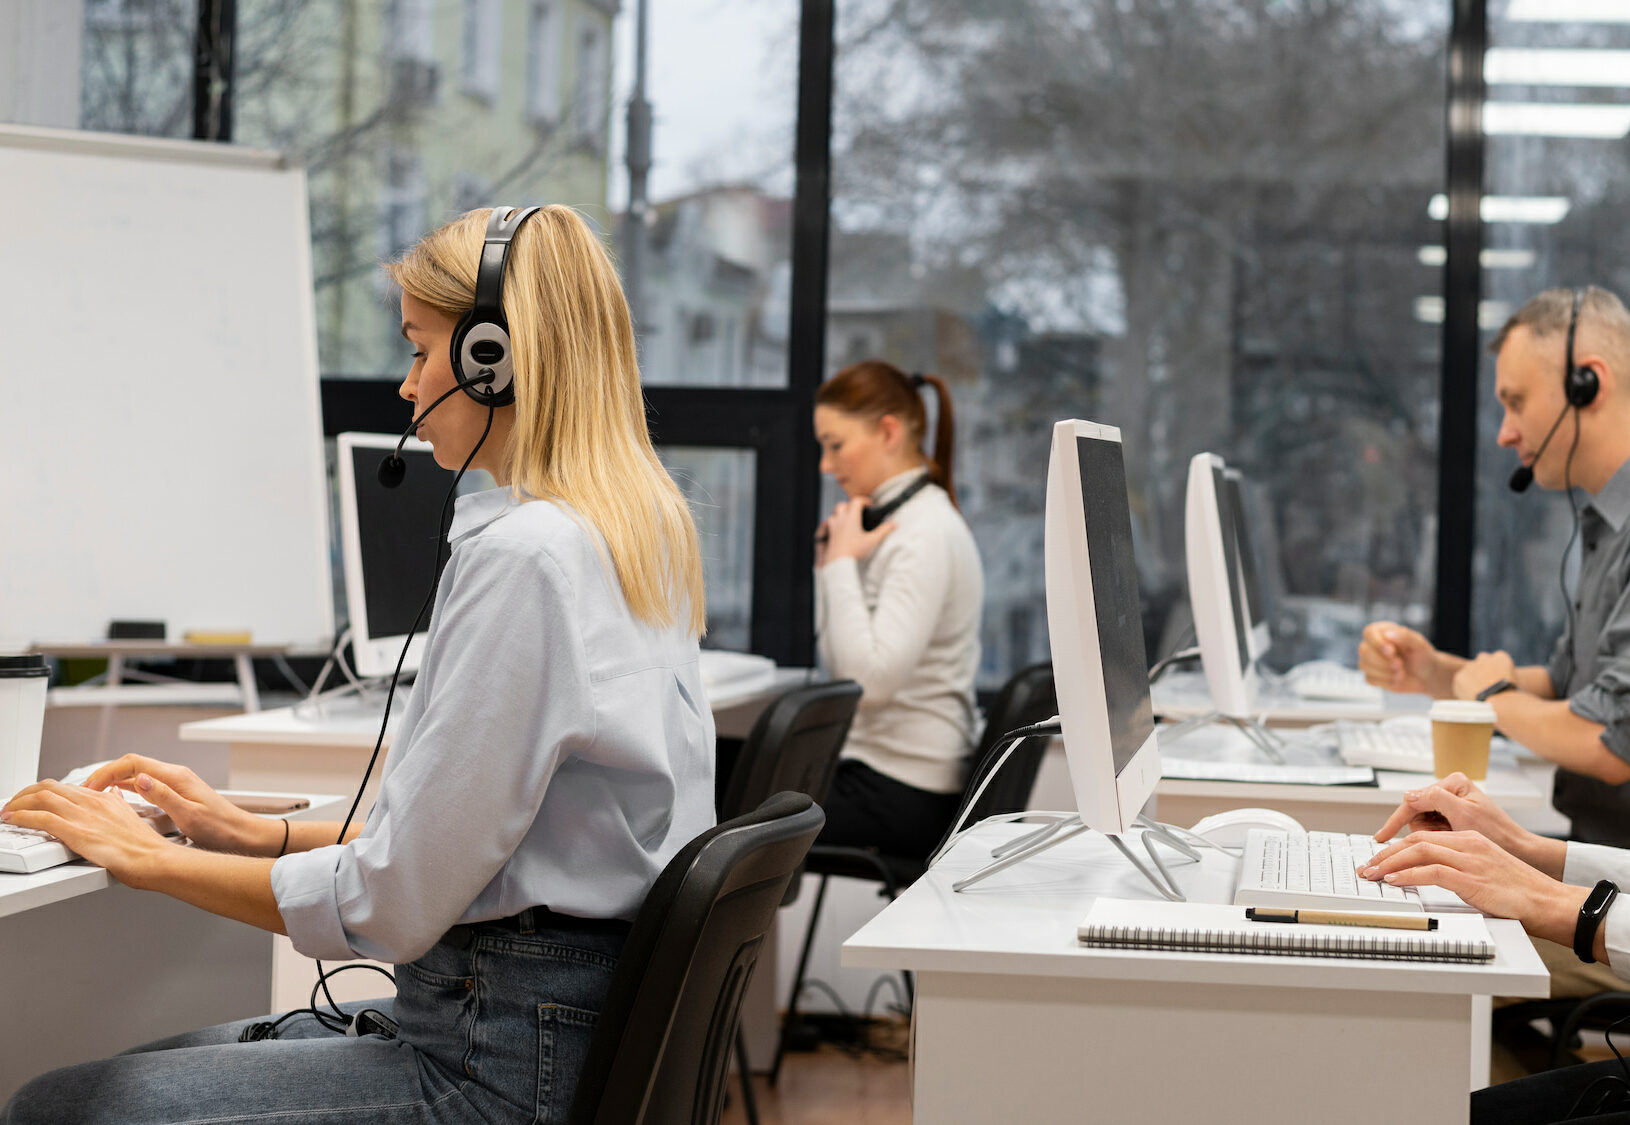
{"points": [[1462, 711], [28, 664]]}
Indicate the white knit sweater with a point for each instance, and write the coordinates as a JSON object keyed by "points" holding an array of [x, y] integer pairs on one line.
{"points": [[904, 624]]}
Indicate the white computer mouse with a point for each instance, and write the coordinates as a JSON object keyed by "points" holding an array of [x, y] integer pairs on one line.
{"points": [[1228, 829]]}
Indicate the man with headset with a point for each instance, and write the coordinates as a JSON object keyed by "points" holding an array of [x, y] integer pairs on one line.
{"points": [[1562, 364], [1564, 353]]}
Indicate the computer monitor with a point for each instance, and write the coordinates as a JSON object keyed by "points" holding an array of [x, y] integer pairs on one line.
{"points": [[389, 538], [1095, 625], [1252, 587], [1211, 544]]}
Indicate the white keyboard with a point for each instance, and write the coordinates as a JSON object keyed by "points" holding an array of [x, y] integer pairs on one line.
{"points": [[1386, 746], [1328, 681], [1202, 769], [1318, 870], [24, 850]]}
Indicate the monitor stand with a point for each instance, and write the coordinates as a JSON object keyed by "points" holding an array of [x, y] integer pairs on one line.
{"points": [[318, 700], [1064, 827], [1259, 735]]}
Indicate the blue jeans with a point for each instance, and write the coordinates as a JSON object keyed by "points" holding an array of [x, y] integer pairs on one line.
{"points": [[494, 1032]]}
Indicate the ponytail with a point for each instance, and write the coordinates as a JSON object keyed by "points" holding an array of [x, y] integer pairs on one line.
{"points": [[939, 462]]}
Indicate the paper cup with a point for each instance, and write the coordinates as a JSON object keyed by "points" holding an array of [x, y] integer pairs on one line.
{"points": [[22, 716], [1461, 730]]}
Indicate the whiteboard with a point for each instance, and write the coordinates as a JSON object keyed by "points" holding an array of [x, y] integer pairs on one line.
{"points": [[160, 425]]}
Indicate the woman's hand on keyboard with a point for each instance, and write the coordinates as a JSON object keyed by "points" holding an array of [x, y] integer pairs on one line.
{"points": [[201, 814], [100, 826], [1486, 876], [1455, 804]]}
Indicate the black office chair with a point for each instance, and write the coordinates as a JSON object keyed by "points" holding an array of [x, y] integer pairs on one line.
{"points": [[793, 748], [661, 1046], [1567, 1016], [1029, 696]]}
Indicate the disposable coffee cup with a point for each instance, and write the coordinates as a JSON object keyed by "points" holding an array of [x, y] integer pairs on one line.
{"points": [[22, 718], [1461, 730]]}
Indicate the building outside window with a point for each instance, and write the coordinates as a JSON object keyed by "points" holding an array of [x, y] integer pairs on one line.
{"points": [[481, 48], [589, 97], [543, 61]]}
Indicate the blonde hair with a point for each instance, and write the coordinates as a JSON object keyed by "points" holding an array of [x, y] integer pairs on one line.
{"points": [[580, 435]]}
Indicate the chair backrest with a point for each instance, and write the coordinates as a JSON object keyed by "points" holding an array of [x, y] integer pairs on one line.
{"points": [[661, 1046], [793, 747], [1029, 696]]}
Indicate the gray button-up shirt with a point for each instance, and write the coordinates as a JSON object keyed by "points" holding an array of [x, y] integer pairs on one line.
{"points": [[556, 751], [1591, 664]]}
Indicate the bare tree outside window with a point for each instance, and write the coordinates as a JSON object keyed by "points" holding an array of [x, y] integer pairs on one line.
{"points": [[1197, 220]]}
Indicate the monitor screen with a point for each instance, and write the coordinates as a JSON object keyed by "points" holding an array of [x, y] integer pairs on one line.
{"points": [[1255, 605], [398, 530], [1115, 596], [393, 546], [1228, 517]]}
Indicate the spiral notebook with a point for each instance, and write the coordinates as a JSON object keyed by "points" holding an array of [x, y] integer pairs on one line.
{"points": [[1199, 927]]}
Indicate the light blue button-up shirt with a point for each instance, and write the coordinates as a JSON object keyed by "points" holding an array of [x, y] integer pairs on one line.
{"points": [[555, 751]]}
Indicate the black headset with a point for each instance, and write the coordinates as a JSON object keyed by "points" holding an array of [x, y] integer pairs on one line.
{"points": [[480, 343], [1579, 384], [481, 340]]}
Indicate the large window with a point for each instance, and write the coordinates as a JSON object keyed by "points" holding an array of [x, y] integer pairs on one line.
{"points": [[1199, 222], [1217, 224], [1557, 117]]}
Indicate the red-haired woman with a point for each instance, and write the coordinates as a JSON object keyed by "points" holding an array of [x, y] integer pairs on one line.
{"points": [[898, 593]]}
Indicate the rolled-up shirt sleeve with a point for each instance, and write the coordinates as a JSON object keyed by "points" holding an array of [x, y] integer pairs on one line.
{"points": [[1585, 866], [1606, 698], [505, 698]]}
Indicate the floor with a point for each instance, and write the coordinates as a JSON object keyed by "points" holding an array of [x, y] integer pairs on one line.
{"points": [[829, 1086]]}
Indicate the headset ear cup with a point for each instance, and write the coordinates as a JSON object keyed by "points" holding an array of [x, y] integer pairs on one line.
{"points": [[455, 347], [1583, 386], [470, 337]]}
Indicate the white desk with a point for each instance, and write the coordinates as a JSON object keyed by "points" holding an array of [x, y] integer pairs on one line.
{"points": [[1015, 1022], [1335, 808], [287, 747], [89, 967], [1184, 695]]}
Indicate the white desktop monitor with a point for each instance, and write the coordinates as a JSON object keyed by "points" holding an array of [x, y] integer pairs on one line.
{"points": [[1095, 625], [1251, 587], [1216, 589], [390, 538]]}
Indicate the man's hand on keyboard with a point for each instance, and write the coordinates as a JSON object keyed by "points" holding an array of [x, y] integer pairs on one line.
{"points": [[100, 826], [1397, 658], [1455, 804], [1486, 876], [201, 814]]}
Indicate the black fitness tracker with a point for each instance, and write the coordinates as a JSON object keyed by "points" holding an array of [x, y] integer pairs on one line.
{"points": [[1590, 919], [1495, 689]]}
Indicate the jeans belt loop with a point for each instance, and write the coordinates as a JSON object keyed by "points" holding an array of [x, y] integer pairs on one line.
{"points": [[525, 921]]}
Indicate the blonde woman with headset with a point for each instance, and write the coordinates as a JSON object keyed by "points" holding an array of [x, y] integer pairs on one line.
{"points": [[525, 809]]}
